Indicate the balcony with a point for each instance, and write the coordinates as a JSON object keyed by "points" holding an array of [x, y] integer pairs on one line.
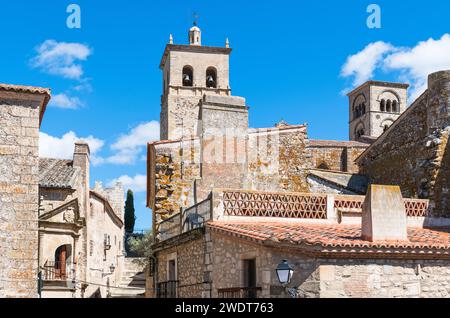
{"points": [[167, 289], [239, 292], [58, 271]]}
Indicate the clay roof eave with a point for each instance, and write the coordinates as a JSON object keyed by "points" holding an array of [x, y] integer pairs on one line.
{"points": [[367, 250], [30, 90]]}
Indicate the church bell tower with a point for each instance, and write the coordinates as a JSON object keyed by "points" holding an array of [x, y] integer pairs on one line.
{"points": [[373, 107], [190, 71]]}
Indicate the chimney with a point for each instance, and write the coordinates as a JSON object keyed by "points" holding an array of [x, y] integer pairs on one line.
{"points": [[81, 160], [384, 214]]}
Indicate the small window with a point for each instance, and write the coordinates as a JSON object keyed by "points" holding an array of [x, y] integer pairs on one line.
{"points": [[250, 278], [188, 76], [323, 166], [388, 106], [172, 273], [382, 105], [211, 77], [395, 106]]}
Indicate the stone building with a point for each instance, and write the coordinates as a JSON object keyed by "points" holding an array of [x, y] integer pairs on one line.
{"points": [[21, 112], [81, 230], [210, 144], [414, 152], [229, 202], [374, 106]]}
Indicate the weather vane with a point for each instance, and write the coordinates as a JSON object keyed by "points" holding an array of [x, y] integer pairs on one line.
{"points": [[196, 16]]}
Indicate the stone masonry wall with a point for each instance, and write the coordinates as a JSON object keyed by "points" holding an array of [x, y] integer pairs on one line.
{"points": [[190, 266], [385, 278], [278, 160], [325, 278], [414, 153], [173, 180], [335, 158], [390, 162], [19, 165]]}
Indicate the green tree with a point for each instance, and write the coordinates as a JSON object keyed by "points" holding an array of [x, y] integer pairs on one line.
{"points": [[141, 246], [130, 218]]}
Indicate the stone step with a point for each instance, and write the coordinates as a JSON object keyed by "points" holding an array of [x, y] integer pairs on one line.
{"points": [[140, 284], [127, 292], [133, 273]]}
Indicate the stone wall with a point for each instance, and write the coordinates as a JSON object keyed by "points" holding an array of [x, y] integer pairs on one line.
{"points": [[277, 159], [274, 159], [337, 157], [190, 264], [19, 176], [102, 223], [385, 278], [228, 261], [414, 152], [171, 183], [325, 278]]}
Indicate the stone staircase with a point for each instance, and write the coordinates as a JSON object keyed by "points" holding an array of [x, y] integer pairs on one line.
{"points": [[132, 283]]}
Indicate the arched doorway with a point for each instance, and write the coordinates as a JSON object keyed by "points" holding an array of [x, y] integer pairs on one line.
{"points": [[62, 261]]}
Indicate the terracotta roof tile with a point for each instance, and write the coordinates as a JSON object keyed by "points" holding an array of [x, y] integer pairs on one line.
{"points": [[330, 235], [25, 89], [57, 173]]}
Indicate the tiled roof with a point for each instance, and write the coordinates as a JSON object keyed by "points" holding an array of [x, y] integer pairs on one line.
{"points": [[336, 143], [25, 89], [353, 182], [334, 238], [57, 173], [32, 90]]}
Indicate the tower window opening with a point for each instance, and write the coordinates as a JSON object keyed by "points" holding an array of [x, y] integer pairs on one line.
{"points": [[383, 105], [211, 77], [359, 133], [394, 106], [386, 127], [188, 76], [388, 106]]}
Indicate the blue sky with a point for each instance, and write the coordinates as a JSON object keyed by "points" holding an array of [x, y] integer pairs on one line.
{"points": [[292, 60]]}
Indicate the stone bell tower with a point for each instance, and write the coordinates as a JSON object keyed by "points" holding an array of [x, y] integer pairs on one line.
{"points": [[374, 106], [190, 71]]}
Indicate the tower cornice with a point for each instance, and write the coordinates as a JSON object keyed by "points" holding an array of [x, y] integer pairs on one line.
{"points": [[193, 49]]}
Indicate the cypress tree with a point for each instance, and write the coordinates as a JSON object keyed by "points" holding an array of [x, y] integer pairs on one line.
{"points": [[130, 218]]}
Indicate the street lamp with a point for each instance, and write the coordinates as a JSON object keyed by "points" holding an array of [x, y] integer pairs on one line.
{"points": [[285, 271], [112, 268]]}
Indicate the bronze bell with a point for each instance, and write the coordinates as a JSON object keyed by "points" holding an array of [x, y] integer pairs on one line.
{"points": [[210, 81], [187, 79]]}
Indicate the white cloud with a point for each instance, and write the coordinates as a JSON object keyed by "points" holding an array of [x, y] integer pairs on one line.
{"points": [[362, 64], [62, 148], [138, 183], [65, 101], [411, 64], [416, 63], [129, 147], [61, 58]]}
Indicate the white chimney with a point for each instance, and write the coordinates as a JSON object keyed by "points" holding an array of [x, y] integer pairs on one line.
{"points": [[384, 214]]}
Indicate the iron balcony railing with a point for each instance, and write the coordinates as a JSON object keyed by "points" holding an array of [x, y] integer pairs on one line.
{"points": [[167, 289], [58, 271], [239, 292], [195, 216]]}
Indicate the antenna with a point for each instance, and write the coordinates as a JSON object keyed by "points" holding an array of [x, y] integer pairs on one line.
{"points": [[196, 16]]}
